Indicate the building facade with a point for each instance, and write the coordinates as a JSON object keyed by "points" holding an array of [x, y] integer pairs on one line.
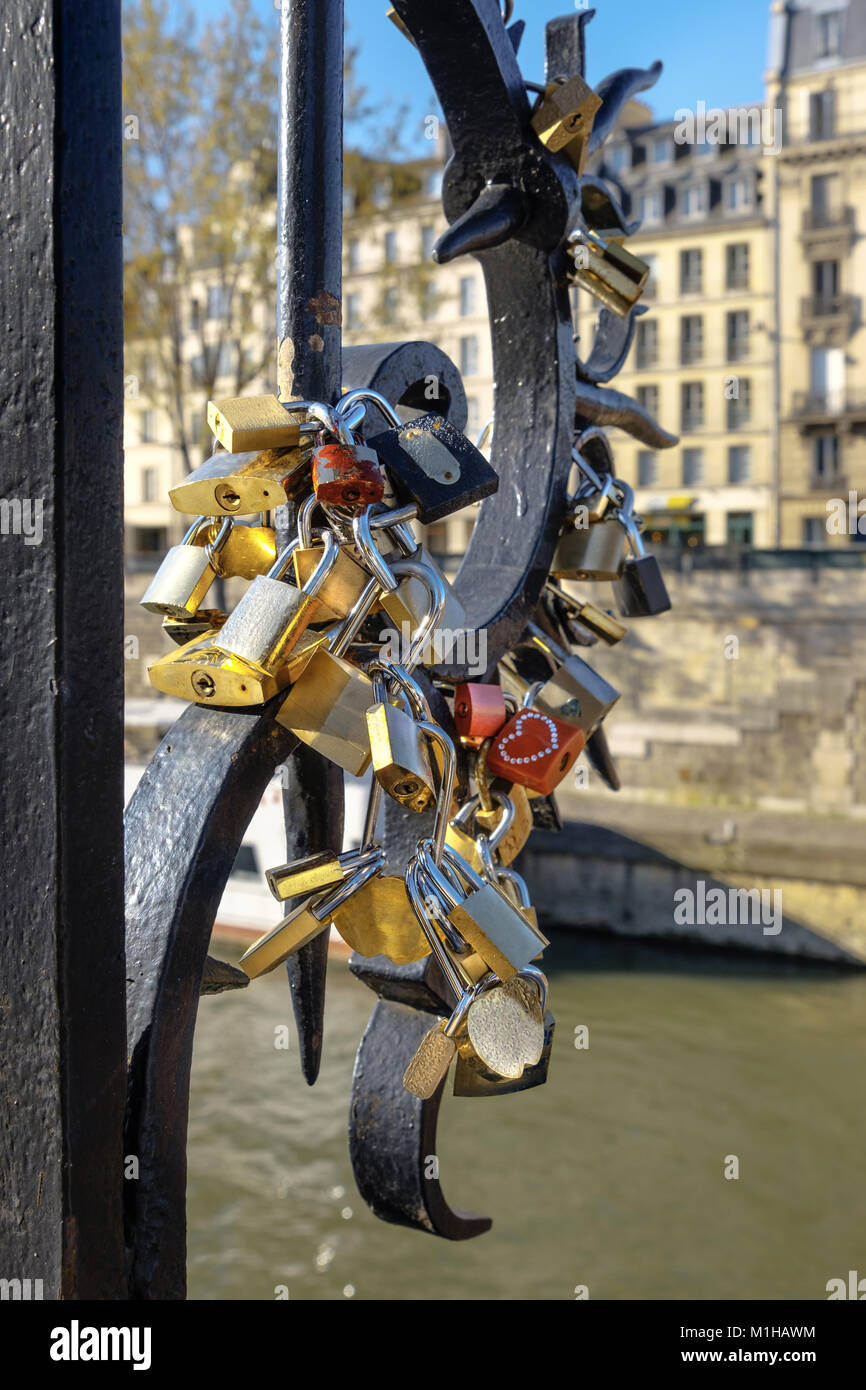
{"points": [[752, 349]]}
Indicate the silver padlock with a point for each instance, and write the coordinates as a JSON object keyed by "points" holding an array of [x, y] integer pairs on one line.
{"points": [[593, 549], [186, 573], [273, 614]]}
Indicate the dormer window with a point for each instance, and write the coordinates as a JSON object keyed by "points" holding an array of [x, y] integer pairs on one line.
{"points": [[694, 200], [650, 207], [617, 158], [829, 34], [739, 195], [662, 150]]}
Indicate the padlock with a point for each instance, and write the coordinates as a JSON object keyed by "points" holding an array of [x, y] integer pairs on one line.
{"points": [[273, 614], [243, 484], [574, 692], [327, 706], [482, 914], [479, 710], [595, 620], [183, 630], [472, 1077], [397, 748], [640, 591], [593, 551], [247, 551], [504, 1030], [344, 584], [564, 118], [406, 599], [513, 839], [595, 491], [459, 838], [432, 464], [535, 750], [255, 422], [305, 922], [437, 1049], [199, 672], [379, 921], [186, 574], [607, 271], [347, 475], [312, 874]]}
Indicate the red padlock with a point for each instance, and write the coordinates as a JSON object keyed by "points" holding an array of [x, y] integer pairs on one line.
{"points": [[479, 711], [347, 475], [535, 750]]}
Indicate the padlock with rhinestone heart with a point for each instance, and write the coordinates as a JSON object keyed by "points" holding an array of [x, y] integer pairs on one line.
{"points": [[535, 750]]}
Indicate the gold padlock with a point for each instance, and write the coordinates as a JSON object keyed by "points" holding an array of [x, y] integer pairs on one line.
{"points": [[243, 484], [397, 747], [564, 118], [198, 671], [609, 272], [194, 628], [254, 422], [341, 589], [379, 920], [247, 551]]}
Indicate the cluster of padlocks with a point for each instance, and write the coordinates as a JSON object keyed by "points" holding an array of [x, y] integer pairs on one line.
{"points": [[309, 628]]}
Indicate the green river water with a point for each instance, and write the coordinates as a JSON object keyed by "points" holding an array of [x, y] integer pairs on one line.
{"points": [[611, 1176]]}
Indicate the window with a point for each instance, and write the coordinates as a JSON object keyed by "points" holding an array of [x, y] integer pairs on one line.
{"points": [[469, 356], [825, 282], [195, 315], [694, 200], [473, 418], [821, 116], [246, 861], [691, 272], [648, 397], [661, 150], [740, 406], [390, 248], [814, 530], [391, 304], [827, 374], [691, 338], [618, 158], [737, 335], [740, 528], [226, 359], [825, 198], [829, 33], [468, 286], [428, 241], [354, 253], [647, 468], [739, 463], [647, 342], [692, 405], [737, 265], [148, 427], [693, 467], [353, 311], [429, 300], [650, 289], [433, 183], [149, 484], [650, 207], [739, 195], [825, 457], [381, 193], [217, 302]]}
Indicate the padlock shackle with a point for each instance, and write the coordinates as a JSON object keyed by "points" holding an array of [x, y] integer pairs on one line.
{"points": [[495, 837], [355, 618], [513, 877], [374, 801], [365, 394], [334, 422], [446, 788], [213, 548], [369, 553], [435, 587], [436, 881], [281, 564], [323, 907], [486, 434], [305, 520], [418, 901], [397, 675]]}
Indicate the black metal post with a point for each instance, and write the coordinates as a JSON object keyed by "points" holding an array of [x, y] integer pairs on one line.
{"points": [[309, 276], [61, 610]]}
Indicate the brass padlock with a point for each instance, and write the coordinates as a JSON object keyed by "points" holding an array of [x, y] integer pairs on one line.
{"points": [[255, 422], [398, 748], [474, 1076], [327, 706], [243, 484], [186, 573], [504, 1031], [273, 614], [305, 922], [596, 620], [608, 272], [193, 629], [198, 671], [564, 118], [312, 874], [247, 550], [378, 920]]}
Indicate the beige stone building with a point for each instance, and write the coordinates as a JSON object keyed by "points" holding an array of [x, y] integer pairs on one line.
{"points": [[753, 347]]}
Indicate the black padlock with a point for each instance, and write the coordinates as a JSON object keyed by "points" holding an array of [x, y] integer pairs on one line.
{"points": [[601, 758], [431, 463], [640, 591]]}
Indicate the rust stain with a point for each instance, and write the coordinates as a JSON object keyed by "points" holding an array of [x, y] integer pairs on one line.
{"points": [[285, 362], [326, 309], [317, 342]]}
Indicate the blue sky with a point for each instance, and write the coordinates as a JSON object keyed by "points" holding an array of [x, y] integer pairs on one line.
{"points": [[712, 50]]}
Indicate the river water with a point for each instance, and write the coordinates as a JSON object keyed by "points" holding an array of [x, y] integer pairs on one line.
{"points": [[612, 1176]]}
